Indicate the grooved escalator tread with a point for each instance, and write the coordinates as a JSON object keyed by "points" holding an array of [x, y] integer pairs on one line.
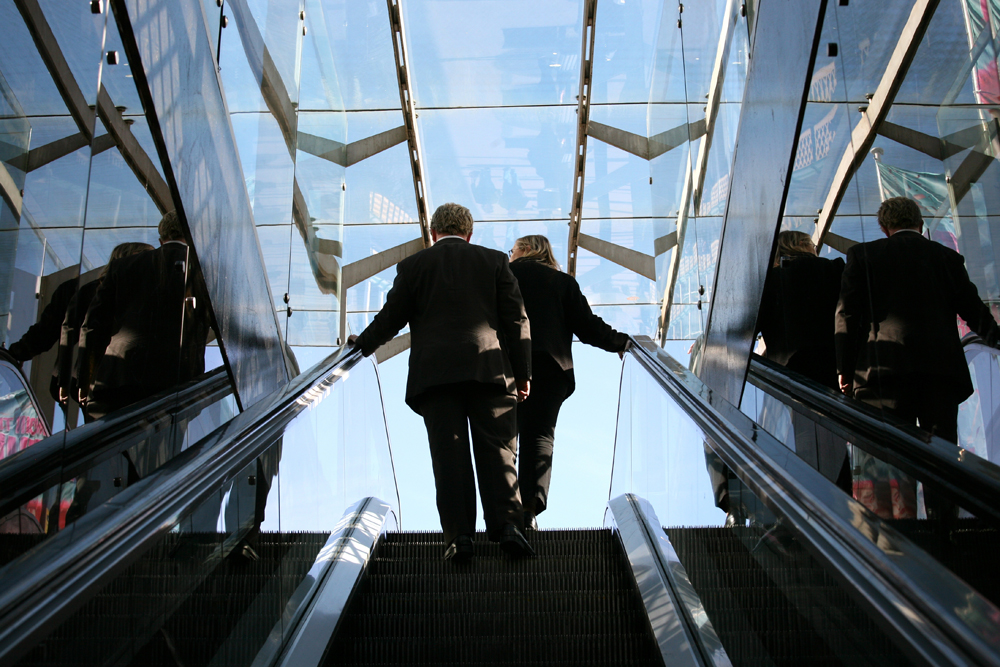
{"points": [[575, 604], [777, 607]]}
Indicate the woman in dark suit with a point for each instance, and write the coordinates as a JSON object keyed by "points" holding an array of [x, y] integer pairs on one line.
{"points": [[557, 310]]}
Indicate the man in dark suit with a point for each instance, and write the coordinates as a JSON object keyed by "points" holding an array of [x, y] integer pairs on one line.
{"points": [[146, 327], [897, 338], [470, 362]]}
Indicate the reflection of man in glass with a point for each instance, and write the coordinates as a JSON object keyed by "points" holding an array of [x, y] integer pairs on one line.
{"points": [[146, 328], [897, 338]]}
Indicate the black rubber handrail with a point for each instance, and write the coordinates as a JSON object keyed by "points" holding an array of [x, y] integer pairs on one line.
{"points": [[63, 455], [42, 588], [963, 477], [935, 617]]}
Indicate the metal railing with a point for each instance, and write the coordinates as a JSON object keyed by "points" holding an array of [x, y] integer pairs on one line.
{"points": [[932, 614]]}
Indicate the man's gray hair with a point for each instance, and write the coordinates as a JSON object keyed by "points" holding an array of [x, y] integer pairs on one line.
{"points": [[452, 219], [900, 213], [170, 227]]}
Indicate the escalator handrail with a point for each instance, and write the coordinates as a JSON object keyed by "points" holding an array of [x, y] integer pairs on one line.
{"points": [[967, 479], [65, 454], [919, 601], [42, 588]]}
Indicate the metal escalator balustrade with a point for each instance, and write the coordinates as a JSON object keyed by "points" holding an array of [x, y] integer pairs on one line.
{"points": [[810, 576], [215, 554]]}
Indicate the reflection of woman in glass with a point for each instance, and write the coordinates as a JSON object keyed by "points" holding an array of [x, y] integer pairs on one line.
{"points": [[796, 320], [557, 310]]}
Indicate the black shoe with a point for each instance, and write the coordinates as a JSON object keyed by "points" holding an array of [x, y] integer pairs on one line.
{"points": [[513, 543], [529, 522], [460, 550]]}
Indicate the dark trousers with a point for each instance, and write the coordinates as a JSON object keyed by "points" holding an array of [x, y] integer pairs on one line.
{"points": [[937, 417], [536, 428], [450, 411]]}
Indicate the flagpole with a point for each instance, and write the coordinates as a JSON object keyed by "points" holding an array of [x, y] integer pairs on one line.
{"points": [[877, 155]]}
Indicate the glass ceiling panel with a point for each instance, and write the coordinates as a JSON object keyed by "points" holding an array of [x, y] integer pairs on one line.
{"points": [[267, 166], [616, 183], [624, 48], [494, 52], [347, 57], [701, 26], [61, 248], [604, 282], [118, 78], [942, 61], [24, 69], [637, 234], [501, 235], [380, 189], [668, 170], [80, 35], [668, 62], [362, 241], [98, 243], [687, 322], [504, 163], [275, 246], [634, 319]]}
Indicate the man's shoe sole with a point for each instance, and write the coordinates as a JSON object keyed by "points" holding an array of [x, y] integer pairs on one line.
{"points": [[516, 548]]}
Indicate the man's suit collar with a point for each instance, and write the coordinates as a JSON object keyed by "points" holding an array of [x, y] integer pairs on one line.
{"points": [[450, 239]]}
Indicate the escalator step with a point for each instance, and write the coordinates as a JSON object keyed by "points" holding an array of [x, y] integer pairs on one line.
{"points": [[575, 604], [777, 608]]}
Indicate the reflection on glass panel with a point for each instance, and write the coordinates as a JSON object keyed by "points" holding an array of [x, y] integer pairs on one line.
{"points": [[314, 327], [826, 134], [617, 183], [275, 246], [637, 234], [79, 34], [687, 321], [715, 189], [267, 166], [504, 164], [304, 290], [369, 295], [348, 52], [624, 49], [380, 189], [604, 282], [867, 35], [498, 52], [117, 78]]}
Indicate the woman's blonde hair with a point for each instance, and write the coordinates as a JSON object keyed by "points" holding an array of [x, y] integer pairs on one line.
{"points": [[791, 244], [538, 248]]}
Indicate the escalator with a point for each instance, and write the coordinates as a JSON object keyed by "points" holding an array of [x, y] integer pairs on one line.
{"points": [[794, 408], [275, 541]]}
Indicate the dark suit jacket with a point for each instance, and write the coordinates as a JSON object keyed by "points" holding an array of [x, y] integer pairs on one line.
{"points": [[796, 315], [135, 322], [896, 330], [44, 333], [466, 318], [557, 310]]}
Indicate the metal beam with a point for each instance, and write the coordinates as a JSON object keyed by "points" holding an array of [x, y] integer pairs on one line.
{"points": [[133, 153], [839, 243], [409, 117], [10, 191], [392, 348], [974, 165], [664, 243], [694, 179], [864, 133], [639, 145], [582, 118], [633, 260], [363, 269], [936, 147], [350, 154]]}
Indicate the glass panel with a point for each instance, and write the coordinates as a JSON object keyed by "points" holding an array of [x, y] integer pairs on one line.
{"points": [[494, 53], [616, 183], [624, 48], [506, 164]]}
